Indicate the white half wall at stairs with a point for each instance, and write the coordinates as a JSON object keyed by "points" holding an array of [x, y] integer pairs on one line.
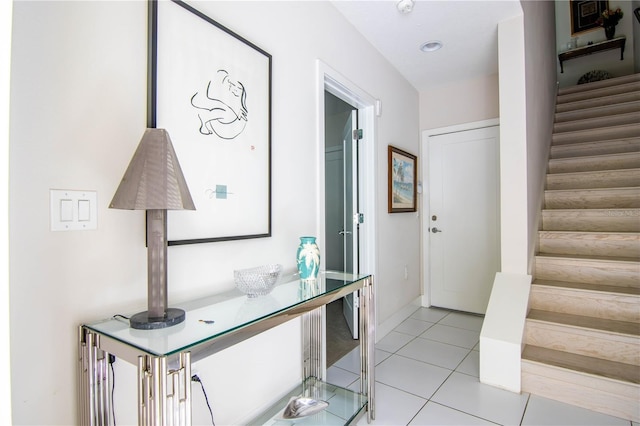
{"points": [[501, 337]]}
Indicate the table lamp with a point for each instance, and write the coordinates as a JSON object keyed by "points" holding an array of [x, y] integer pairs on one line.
{"points": [[154, 182]]}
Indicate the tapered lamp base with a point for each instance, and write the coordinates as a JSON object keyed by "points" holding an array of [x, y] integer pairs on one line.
{"points": [[142, 321]]}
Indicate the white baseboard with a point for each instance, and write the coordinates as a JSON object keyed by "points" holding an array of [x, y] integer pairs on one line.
{"points": [[396, 319]]}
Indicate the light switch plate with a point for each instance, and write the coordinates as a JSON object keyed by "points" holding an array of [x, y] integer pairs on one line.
{"points": [[73, 210]]}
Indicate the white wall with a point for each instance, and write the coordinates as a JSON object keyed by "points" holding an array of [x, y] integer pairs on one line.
{"points": [[6, 12], [461, 102], [77, 113], [609, 60], [513, 147], [541, 84]]}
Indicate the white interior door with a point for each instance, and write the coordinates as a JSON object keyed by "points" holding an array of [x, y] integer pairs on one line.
{"points": [[464, 218], [350, 224], [341, 204]]}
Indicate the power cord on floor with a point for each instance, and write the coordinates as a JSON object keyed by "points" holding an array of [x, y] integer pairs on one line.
{"points": [[196, 379], [112, 359]]}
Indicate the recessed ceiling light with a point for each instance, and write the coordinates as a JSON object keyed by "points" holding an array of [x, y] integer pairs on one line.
{"points": [[405, 6], [431, 46]]}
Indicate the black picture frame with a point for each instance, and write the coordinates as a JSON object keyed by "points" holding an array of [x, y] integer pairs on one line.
{"points": [[210, 89], [402, 181], [585, 14]]}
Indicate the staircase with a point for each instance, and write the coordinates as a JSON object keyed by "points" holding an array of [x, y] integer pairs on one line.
{"points": [[582, 333]]}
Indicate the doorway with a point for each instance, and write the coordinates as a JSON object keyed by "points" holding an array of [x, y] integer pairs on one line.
{"points": [[463, 223], [341, 230], [368, 108]]}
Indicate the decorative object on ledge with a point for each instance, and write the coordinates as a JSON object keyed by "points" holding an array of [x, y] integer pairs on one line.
{"points": [[154, 182], [258, 281], [608, 20], [585, 14], [211, 89], [300, 406], [308, 259], [402, 181], [616, 43], [592, 76]]}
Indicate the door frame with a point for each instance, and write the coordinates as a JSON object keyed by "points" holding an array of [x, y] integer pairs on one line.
{"points": [[335, 83], [425, 206]]}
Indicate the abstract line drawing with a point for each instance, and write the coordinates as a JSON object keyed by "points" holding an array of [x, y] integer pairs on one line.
{"points": [[222, 107]]}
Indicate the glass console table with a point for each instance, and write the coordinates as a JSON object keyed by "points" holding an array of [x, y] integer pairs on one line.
{"points": [[212, 324]]}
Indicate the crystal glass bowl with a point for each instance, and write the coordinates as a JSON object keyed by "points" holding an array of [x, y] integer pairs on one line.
{"points": [[257, 281]]}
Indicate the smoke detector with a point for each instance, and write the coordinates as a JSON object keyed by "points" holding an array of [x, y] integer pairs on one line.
{"points": [[405, 6]]}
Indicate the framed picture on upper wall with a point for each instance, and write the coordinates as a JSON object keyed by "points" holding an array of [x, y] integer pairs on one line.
{"points": [[402, 180], [585, 14], [211, 90]]}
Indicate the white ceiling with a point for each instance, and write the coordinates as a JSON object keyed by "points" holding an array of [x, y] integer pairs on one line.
{"points": [[468, 30]]}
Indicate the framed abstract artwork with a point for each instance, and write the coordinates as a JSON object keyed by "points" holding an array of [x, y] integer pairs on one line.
{"points": [[211, 90], [402, 180]]}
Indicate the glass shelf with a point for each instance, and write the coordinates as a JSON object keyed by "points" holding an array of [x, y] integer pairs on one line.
{"points": [[344, 408], [213, 318]]}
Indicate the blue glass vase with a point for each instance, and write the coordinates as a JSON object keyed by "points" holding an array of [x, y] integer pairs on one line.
{"points": [[308, 258]]}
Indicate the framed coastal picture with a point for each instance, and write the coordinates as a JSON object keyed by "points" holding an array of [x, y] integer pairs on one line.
{"points": [[402, 179], [585, 14], [211, 90]]}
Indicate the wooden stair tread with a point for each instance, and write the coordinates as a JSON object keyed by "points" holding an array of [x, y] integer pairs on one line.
{"points": [[599, 101], [604, 121], [594, 366], [603, 288], [608, 325], [590, 257], [596, 172], [590, 135], [600, 92], [610, 146], [578, 233], [594, 157], [596, 112], [599, 84]]}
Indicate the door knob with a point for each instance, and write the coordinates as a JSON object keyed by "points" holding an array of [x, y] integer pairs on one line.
{"points": [[434, 230], [344, 232]]}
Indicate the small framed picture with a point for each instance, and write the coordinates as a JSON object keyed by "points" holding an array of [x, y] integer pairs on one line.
{"points": [[402, 176], [585, 14]]}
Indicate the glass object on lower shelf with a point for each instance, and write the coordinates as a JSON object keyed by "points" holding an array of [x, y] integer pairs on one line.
{"points": [[344, 406]]}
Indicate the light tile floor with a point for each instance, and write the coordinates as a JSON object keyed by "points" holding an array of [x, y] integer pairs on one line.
{"points": [[427, 373]]}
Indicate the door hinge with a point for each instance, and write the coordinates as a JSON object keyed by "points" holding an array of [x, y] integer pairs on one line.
{"points": [[357, 134], [358, 218], [356, 300]]}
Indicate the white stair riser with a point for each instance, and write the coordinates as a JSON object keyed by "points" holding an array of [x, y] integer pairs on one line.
{"points": [[597, 102], [613, 306], [624, 274], [599, 84], [592, 343], [592, 220], [594, 123], [594, 179], [591, 135], [583, 390], [597, 112], [594, 199], [586, 149], [591, 244]]}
